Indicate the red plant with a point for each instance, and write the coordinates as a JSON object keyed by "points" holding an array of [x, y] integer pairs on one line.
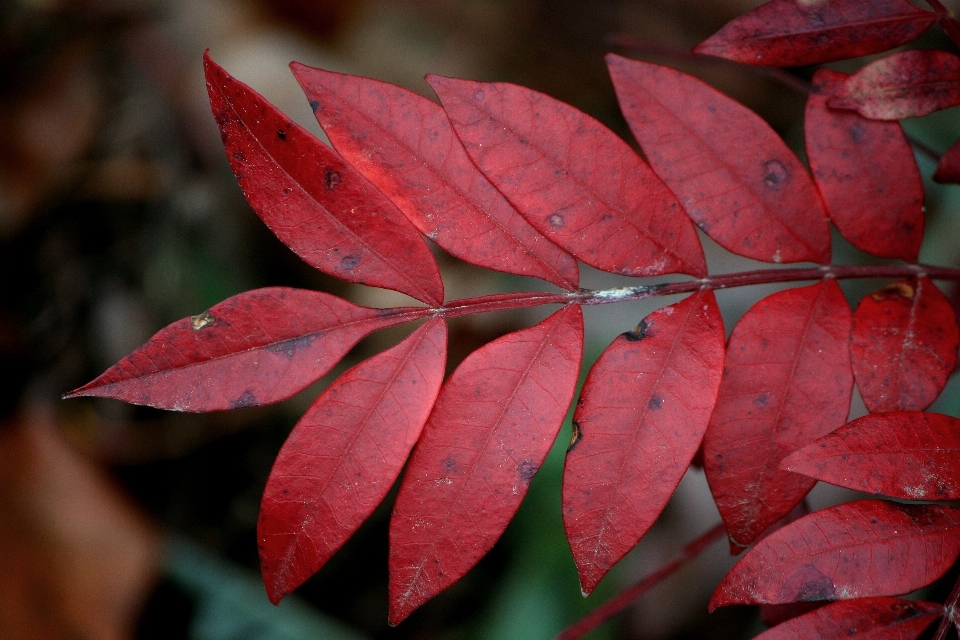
{"points": [[512, 180]]}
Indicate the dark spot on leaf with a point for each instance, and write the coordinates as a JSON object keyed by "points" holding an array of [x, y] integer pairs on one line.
{"points": [[246, 399], [281, 134], [811, 585], [347, 263], [921, 515], [856, 132], [655, 403], [555, 220], [286, 191], [205, 319], [712, 108], [289, 347], [314, 105], [523, 141], [606, 217], [575, 436], [774, 173], [761, 401], [906, 611], [527, 470], [450, 465], [238, 155], [639, 332], [331, 178], [479, 95]]}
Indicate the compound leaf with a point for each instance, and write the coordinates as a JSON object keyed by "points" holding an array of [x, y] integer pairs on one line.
{"points": [[253, 349], [493, 425], [908, 84], [794, 33], [867, 174], [908, 455], [787, 381], [316, 203], [572, 178], [864, 619], [344, 454], [404, 144], [733, 174], [904, 346], [641, 417], [854, 550]]}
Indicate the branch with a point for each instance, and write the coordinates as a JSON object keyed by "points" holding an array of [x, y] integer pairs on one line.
{"points": [[606, 611], [949, 613]]}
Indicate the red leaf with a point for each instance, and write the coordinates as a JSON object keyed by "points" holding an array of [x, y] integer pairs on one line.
{"points": [[343, 456], [736, 178], [948, 171], [255, 348], [795, 33], [902, 85], [316, 203], [572, 178], [639, 421], [904, 346], [867, 618], [853, 550], [787, 381], [867, 174], [493, 424], [907, 455], [404, 144]]}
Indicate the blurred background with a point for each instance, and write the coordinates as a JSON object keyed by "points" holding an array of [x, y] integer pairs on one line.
{"points": [[119, 214]]}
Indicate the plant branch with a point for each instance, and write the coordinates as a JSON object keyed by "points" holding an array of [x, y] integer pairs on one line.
{"points": [[504, 301], [949, 613], [606, 611]]}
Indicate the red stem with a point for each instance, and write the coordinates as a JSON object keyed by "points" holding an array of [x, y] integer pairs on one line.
{"points": [[606, 611], [504, 301], [949, 613]]}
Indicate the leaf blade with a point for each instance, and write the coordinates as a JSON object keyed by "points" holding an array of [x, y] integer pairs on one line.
{"points": [[572, 178], [343, 455], [879, 618], [904, 346], [479, 451], [867, 174], [404, 144], [908, 84], [756, 200], [854, 550], [787, 382], [903, 454], [789, 33], [641, 417], [255, 348], [316, 203]]}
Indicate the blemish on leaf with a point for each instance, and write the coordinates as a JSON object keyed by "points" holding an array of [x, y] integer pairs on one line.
{"points": [[655, 403], [198, 322], [331, 178], [348, 263], [281, 134], [289, 347], [479, 95], [314, 105], [527, 470], [901, 289], [245, 400], [639, 332], [574, 437], [450, 465], [774, 173], [761, 401], [556, 220]]}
